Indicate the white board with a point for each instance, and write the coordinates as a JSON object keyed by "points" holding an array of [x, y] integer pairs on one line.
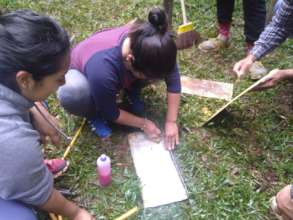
{"points": [[160, 182]]}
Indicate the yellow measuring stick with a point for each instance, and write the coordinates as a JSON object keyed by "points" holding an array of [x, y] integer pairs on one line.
{"points": [[128, 213], [73, 139]]}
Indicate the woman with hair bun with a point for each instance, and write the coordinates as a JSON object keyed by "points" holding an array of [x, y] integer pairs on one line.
{"points": [[124, 57]]}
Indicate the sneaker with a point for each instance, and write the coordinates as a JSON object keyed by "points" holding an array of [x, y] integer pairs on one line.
{"points": [[274, 208], [57, 166], [214, 44], [100, 127], [257, 70]]}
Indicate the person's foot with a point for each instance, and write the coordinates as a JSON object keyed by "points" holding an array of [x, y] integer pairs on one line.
{"points": [[100, 127], [57, 166], [215, 44], [257, 70]]}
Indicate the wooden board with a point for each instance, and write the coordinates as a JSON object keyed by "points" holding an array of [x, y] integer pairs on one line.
{"points": [[207, 88]]}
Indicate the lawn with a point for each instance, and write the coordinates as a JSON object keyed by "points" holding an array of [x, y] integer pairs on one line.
{"points": [[231, 168]]}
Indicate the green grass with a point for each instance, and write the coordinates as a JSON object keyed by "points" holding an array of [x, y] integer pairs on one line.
{"points": [[231, 168]]}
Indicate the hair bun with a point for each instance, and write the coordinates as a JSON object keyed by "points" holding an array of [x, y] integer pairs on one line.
{"points": [[158, 18]]}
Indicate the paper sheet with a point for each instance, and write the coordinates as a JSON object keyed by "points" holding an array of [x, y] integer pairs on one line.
{"points": [[207, 88], [160, 181]]}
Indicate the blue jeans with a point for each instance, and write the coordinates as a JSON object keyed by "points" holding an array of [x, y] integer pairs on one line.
{"points": [[15, 211]]}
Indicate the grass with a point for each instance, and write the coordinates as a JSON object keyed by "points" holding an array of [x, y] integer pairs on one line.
{"points": [[231, 168]]}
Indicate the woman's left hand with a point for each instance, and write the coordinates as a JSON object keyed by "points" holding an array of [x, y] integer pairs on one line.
{"points": [[171, 135]]}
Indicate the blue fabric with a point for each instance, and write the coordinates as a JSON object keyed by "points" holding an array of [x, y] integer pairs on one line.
{"points": [[107, 75], [11, 210], [100, 127]]}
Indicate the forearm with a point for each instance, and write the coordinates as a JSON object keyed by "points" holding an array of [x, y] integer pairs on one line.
{"points": [[276, 32], [287, 74], [126, 118], [59, 205], [173, 100]]}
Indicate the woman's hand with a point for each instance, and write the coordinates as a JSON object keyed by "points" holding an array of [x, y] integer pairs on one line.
{"points": [[271, 79], [43, 127], [171, 135], [151, 130]]}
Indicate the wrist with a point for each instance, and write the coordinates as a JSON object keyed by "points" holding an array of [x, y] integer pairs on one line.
{"points": [[143, 124], [171, 121], [286, 74], [251, 58]]}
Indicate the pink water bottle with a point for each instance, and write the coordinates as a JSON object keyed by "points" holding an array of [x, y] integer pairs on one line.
{"points": [[104, 170]]}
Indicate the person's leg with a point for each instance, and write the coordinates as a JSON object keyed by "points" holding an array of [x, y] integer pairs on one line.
{"points": [[224, 18], [282, 203], [254, 18], [75, 95], [16, 211], [225, 10]]}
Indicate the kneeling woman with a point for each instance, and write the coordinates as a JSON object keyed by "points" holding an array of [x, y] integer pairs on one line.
{"points": [[124, 58], [34, 56]]}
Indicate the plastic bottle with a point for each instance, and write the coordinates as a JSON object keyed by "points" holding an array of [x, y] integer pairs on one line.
{"points": [[104, 170]]}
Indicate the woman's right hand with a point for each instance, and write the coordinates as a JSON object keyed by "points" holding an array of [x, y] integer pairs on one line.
{"points": [[151, 130], [82, 214]]}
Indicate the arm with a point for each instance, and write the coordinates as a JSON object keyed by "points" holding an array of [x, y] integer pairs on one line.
{"points": [[42, 126], [277, 31], [149, 128], [59, 205], [173, 98], [273, 35], [274, 77], [171, 128]]}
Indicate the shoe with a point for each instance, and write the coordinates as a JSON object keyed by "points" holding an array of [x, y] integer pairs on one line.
{"points": [[214, 44], [257, 70], [100, 127], [57, 166], [274, 208]]}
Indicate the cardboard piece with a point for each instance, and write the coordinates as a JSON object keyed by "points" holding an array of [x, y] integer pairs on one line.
{"points": [[160, 182], [207, 88], [236, 98]]}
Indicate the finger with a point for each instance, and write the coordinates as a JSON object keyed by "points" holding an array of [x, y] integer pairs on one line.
{"points": [[157, 132], [172, 144], [167, 143], [177, 139]]}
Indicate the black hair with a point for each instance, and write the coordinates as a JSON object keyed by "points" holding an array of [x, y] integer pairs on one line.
{"points": [[30, 42], [153, 45]]}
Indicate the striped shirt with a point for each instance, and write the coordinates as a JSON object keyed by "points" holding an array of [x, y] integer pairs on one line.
{"points": [[277, 31]]}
